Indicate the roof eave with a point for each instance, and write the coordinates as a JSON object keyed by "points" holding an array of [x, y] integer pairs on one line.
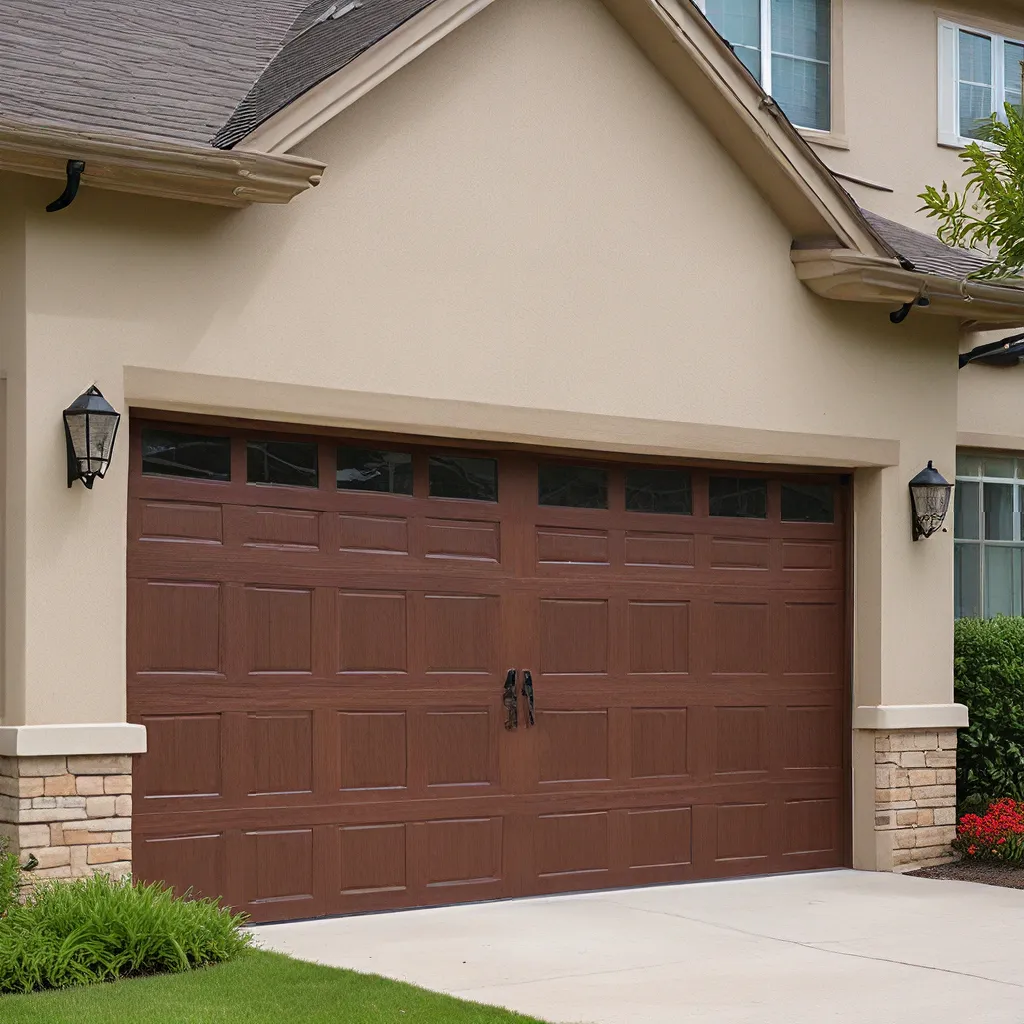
{"points": [[849, 276], [154, 168]]}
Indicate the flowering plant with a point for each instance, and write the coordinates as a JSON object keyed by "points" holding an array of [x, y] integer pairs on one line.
{"points": [[998, 834]]}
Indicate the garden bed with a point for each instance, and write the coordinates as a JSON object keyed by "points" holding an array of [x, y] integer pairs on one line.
{"points": [[986, 872]]}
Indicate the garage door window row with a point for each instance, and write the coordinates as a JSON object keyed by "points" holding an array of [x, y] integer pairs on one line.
{"points": [[660, 490]]}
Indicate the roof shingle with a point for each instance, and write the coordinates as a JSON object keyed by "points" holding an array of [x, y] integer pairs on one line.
{"points": [[925, 253], [188, 71]]}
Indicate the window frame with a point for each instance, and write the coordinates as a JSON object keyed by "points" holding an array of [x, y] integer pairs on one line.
{"points": [[833, 135], [949, 76], [1016, 542]]}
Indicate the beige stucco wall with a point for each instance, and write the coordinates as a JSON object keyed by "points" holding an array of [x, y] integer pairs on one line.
{"points": [[525, 234], [890, 98]]}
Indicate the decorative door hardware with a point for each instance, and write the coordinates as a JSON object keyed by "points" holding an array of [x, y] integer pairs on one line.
{"points": [[511, 701], [528, 694]]}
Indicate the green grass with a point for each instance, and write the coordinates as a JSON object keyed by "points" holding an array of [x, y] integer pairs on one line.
{"points": [[257, 988]]}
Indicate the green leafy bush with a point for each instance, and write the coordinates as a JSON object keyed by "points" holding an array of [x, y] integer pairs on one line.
{"points": [[10, 878], [988, 677], [97, 929]]}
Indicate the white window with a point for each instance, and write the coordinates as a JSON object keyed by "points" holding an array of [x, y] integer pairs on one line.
{"points": [[979, 72], [988, 535], [793, 66]]}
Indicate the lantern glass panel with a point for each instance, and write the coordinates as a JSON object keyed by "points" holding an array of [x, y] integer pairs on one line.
{"points": [[930, 505]]}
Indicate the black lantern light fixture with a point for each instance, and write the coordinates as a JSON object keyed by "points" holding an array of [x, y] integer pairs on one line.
{"points": [[929, 501], [90, 426]]}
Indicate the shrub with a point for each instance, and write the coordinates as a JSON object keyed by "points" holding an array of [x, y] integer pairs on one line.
{"points": [[988, 677], [96, 929], [998, 834], [10, 878]]}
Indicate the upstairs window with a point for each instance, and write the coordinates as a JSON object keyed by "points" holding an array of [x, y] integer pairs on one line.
{"points": [[787, 46], [979, 72]]}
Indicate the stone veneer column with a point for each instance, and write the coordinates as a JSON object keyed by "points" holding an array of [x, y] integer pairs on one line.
{"points": [[915, 798], [73, 814]]}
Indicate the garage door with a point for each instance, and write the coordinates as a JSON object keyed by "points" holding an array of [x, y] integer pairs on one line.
{"points": [[323, 634]]}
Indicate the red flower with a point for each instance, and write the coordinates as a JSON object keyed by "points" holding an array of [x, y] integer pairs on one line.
{"points": [[998, 833]]}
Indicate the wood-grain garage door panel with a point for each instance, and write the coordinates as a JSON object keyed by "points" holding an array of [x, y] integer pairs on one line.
{"points": [[184, 758], [279, 630], [189, 863], [373, 750], [278, 753], [660, 837], [176, 626], [321, 670], [373, 628], [660, 743], [372, 859]]}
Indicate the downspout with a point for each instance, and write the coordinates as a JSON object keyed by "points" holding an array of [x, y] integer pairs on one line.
{"points": [[67, 197]]}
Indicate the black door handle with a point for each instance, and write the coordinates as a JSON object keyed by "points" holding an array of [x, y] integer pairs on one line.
{"points": [[511, 701], [528, 694]]}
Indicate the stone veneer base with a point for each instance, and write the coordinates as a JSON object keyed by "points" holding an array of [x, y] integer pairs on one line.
{"points": [[915, 798], [72, 814]]}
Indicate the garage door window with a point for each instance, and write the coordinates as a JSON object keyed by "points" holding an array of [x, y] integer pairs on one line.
{"points": [[467, 477], [572, 486], [367, 469], [668, 491], [737, 497], [284, 463], [808, 503], [169, 453]]}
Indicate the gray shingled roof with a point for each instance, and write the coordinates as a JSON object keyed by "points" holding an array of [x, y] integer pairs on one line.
{"points": [[925, 253], [204, 72]]}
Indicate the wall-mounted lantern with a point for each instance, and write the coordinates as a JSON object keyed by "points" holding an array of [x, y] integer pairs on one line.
{"points": [[929, 501], [90, 426]]}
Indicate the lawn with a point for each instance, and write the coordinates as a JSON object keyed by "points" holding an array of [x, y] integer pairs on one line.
{"points": [[257, 988]]}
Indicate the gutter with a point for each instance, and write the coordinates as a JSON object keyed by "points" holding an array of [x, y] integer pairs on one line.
{"points": [[154, 168], [854, 277]]}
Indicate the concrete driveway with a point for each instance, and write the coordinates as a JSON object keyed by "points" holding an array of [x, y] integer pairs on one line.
{"points": [[826, 947]]}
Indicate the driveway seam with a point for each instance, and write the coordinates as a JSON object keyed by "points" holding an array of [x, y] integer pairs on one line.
{"points": [[819, 949]]}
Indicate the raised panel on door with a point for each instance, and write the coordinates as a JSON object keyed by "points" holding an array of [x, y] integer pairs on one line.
{"points": [[184, 760], [459, 859], [277, 873], [192, 865]]}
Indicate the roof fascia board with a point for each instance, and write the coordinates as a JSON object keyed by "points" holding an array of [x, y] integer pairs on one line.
{"points": [[284, 130], [195, 174], [853, 277], [680, 42]]}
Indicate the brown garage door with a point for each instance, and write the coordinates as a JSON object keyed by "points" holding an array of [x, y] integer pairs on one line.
{"points": [[320, 631]]}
